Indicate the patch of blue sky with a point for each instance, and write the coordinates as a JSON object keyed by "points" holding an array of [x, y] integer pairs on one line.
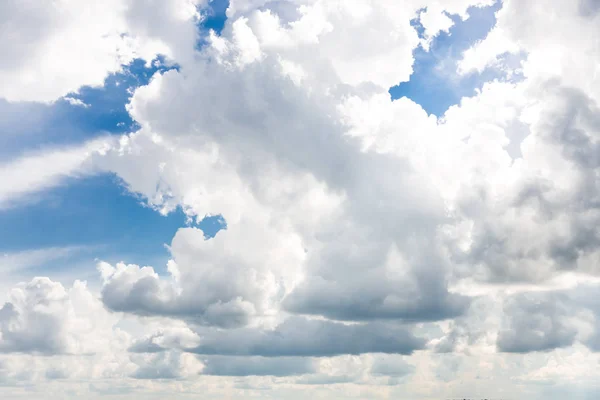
{"points": [[101, 218], [95, 217], [435, 84], [27, 126], [214, 17]]}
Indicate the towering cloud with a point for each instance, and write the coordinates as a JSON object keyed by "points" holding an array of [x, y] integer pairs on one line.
{"points": [[368, 244]]}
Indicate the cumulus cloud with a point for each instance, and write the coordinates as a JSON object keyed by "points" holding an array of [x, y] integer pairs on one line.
{"points": [[289, 133], [53, 48], [529, 219], [43, 317], [303, 337], [169, 338], [257, 366], [356, 224], [295, 337], [521, 28], [535, 322], [396, 199], [167, 365], [211, 283]]}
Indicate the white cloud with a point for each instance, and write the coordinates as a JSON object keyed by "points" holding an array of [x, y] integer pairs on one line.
{"points": [[171, 365], [76, 102], [382, 254], [355, 224], [35, 172], [51, 48], [522, 27], [43, 317], [11, 262]]}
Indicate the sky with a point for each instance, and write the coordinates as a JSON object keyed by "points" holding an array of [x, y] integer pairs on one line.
{"points": [[359, 199]]}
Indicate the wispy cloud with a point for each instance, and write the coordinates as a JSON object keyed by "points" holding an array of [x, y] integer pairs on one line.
{"points": [[45, 169], [13, 262]]}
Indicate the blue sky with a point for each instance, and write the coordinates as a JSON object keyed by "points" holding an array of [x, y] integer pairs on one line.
{"points": [[98, 212], [434, 83], [25, 126], [214, 17]]}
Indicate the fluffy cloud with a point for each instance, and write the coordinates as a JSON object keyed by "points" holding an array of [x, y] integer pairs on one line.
{"points": [[168, 365], [43, 317], [400, 201], [296, 132], [521, 28], [355, 224], [535, 322], [532, 217], [52, 48], [170, 338], [295, 337], [211, 283]]}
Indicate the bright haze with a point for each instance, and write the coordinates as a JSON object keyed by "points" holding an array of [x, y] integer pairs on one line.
{"points": [[291, 199]]}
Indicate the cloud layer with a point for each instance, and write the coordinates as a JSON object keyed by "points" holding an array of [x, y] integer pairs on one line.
{"points": [[371, 250]]}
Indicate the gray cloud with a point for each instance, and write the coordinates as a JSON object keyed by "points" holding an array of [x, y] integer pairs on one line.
{"points": [[300, 337], [391, 272], [586, 297], [142, 292], [257, 366], [146, 346], [536, 322], [174, 338], [391, 366], [378, 299], [24, 24], [560, 220], [165, 365], [321, 379], [56, 373], [589, 7]]}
